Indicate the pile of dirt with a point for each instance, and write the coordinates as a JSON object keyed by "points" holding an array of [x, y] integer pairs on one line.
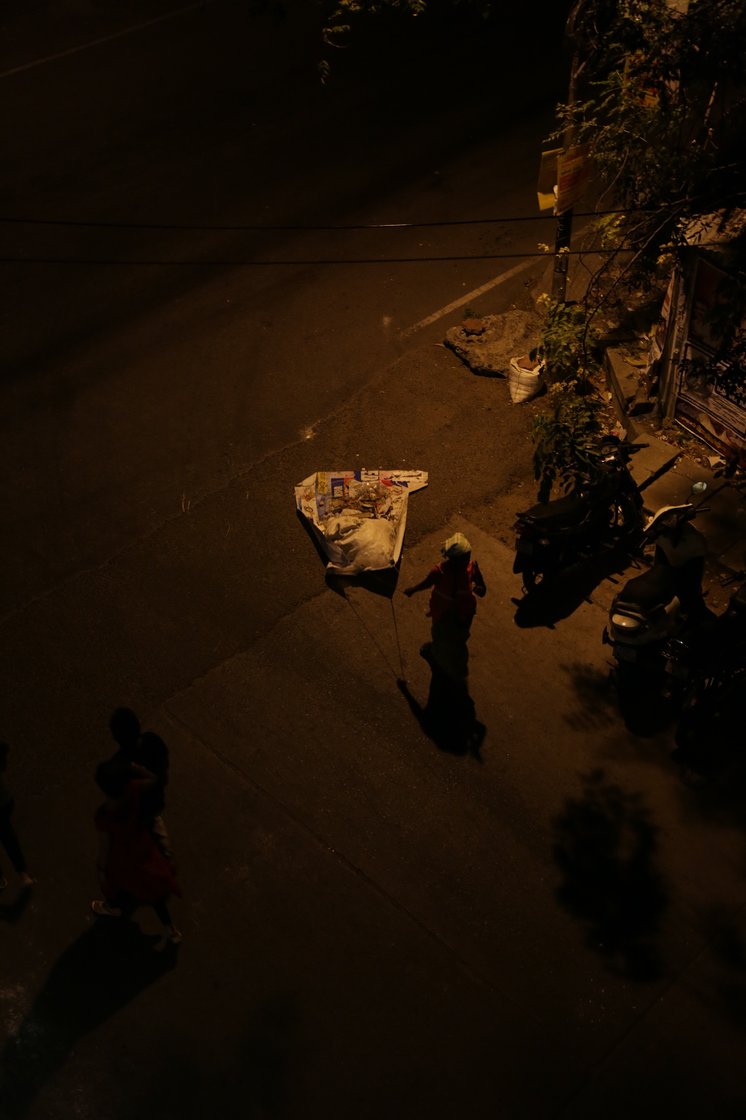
{"points": [[486, 344]]}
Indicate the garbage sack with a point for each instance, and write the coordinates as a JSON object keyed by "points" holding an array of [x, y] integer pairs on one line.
{"points": [[525, 379], [366, 543], [358, 517]]}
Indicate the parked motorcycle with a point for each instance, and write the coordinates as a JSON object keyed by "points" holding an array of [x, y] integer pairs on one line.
{"points": [[662, 602], [711, 661], [602, 511]]}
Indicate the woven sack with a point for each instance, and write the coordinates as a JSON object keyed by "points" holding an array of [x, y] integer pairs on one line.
{"points": [[524, 384]]}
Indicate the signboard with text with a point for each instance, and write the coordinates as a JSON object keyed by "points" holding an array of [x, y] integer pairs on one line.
{"points": [[573, 173]]}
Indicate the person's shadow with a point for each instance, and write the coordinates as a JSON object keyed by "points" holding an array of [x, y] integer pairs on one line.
{"points": [[98, 974], [449, 717]]}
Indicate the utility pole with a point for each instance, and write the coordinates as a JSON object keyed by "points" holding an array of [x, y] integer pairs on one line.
{"points": [[563, 231], [562, 237]]}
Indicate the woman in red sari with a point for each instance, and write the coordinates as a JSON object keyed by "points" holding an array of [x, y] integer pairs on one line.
{"points": [[455, 582], [132, 869]]}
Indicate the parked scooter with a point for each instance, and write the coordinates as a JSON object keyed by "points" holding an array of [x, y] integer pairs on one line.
{"points": [[661, 603], [601, 512], [711, 661]]}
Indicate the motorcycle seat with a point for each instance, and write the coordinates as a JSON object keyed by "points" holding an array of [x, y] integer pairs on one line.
{"points": [[653, 588], [559, 514]]}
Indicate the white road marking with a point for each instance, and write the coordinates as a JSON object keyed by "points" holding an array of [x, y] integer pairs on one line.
{"points": [[103, 39], [469, 296], [578, 233]]}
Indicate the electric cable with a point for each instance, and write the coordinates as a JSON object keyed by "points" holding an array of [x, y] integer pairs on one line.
{"points": [[302, 262], [283, 228], [299, 227]]}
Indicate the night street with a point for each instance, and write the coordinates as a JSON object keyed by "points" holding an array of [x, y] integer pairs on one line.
{"points": [[548, 925]]}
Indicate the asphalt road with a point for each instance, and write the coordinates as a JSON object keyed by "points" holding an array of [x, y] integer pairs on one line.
{"points": [[134, 388], [373, 926]]}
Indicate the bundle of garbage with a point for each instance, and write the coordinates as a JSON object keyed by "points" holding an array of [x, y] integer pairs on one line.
{"points": [[358, 516]]}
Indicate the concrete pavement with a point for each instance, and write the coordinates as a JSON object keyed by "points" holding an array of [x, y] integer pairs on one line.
{"points": [[373, 925]]}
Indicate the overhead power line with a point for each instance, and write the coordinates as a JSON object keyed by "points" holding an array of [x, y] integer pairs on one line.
{"points": [[315, 262], [299, 228], [299, 262]]}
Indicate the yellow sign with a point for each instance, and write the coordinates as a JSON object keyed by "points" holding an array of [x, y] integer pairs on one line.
{"points": [[546, 186]]}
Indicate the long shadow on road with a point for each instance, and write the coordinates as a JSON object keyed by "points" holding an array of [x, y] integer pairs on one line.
{"points": [[449, 717], [97, 975]]}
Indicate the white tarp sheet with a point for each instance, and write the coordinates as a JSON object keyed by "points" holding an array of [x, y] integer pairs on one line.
{"points": [[358, 516]]}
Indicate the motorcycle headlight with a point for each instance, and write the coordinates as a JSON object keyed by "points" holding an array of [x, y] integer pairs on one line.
{"points": [[626, 624]]}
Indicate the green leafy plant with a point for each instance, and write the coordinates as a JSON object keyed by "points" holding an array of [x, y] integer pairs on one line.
{"points": [[569, 344], [658, 94], [566, 438]]}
